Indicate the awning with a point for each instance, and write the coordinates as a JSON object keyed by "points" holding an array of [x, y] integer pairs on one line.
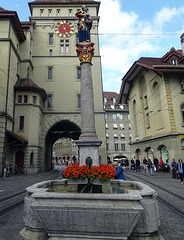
{"points": [[14, 140]]}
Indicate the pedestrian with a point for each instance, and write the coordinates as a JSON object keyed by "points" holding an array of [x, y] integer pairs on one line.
{"points": [[161, 164], [132, 165], [4, 172], [174, 168], [180, 170], [156, 163], [119, 171], [137, 164], [150, 167]]}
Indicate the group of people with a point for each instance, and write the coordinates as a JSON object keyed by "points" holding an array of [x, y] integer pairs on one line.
{"points": [[177, 169]]}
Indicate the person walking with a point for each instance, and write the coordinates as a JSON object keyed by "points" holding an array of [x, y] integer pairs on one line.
{"points": [[150, 167], [156, 163], [180, 170], [137, 164], [161, 164], [174, 168], [119, 171]]}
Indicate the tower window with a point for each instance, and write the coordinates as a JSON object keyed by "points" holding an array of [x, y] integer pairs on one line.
{"points": [[21, 123], [78, 72], [49, 72], [51, 39], [49, 100], [19, 98]]}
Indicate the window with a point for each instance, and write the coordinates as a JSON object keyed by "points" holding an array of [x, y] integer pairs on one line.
{"points": [[128, 117], [148, 120], [67, 49], [64, 46], [49, 72], [32, 158], [51, 39], [19, 98], [122, 146], [114, 116], [78, 100], [174, 61], [41, 12], [115, 126], [182, 110], [77, 38], [115, 135], [70, 12], [112, 106], [50, 52], [25, 98], [105, 116], [58, 11], [107, 135], [34, 99], [145, 102], [78, 72], [114, 99], [21, 123], [121, 126], [120, 116], [129, 126], [50, 12], [116, 146], [106, 126], [107, 147], [122, 135], [49, 101]]}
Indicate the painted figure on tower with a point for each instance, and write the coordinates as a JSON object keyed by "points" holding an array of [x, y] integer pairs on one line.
{"points": [[84, 25]]}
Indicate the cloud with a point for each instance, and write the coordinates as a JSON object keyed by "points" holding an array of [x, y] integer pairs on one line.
{"points": [[125, 38]]}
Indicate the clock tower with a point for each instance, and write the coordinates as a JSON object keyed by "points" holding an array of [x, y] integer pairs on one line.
{"points": [[56, 69]]}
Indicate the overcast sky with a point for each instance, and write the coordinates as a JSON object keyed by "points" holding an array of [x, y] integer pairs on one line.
{"points": [[129, 29]]}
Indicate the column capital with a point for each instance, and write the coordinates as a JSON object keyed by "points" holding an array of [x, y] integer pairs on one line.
{"points": [[85, 51]]}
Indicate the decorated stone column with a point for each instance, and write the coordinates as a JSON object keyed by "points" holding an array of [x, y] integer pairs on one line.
{"points": [[88, 143]]}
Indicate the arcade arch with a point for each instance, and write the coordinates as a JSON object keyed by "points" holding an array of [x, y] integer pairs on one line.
{"points": [[63, 129]]}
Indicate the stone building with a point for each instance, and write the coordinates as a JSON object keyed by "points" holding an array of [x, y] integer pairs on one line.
{"points": [[154, 88], [40, 82], [118, 129]]}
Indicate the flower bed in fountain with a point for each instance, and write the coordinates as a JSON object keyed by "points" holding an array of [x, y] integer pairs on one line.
{"points": [[103, 172]]}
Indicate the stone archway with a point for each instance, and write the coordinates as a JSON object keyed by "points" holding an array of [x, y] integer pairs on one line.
{"points": [[62, 129]]}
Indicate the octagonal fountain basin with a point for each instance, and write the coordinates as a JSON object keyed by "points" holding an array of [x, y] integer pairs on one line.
{"points": [[57, 210]]}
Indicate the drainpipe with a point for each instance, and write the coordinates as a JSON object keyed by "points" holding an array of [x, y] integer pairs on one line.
{"points": [[6, 104]]}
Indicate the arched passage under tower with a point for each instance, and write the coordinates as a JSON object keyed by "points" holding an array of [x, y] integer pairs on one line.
{"points": [[63, 129]]}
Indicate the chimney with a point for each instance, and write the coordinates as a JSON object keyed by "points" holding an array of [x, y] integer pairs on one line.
{"points": [[182, 42]]}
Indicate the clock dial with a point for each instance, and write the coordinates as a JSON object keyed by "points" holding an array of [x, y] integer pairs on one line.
{"points": [[64, 29]]}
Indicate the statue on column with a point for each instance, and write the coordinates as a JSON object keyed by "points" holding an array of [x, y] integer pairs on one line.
{"points": [[84, 25]]}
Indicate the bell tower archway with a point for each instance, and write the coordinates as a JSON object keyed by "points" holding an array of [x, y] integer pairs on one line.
{"points": [[62, 129]]}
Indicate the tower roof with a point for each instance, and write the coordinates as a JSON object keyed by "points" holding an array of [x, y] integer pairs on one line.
{"points": [[27, 84]]}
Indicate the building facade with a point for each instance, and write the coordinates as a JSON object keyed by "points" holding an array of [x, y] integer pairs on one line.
{"points": [[118, 128], [153, 88], [40, 82]]}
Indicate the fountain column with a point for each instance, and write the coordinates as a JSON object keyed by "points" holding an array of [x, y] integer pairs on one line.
{"points": [[88, 142]]}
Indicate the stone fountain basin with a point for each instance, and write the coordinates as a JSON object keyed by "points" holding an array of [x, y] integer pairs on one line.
{"points": [[71, 216]]}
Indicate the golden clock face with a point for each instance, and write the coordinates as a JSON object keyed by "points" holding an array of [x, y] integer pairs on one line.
{"points": [[64, 29]]}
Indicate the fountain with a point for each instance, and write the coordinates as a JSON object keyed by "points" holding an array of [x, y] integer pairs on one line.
{"points": [[117, 210]]}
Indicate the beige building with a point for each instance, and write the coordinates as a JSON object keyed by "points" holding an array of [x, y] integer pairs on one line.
{"points": [[40, 82], [154, 90], [118, 129]]}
